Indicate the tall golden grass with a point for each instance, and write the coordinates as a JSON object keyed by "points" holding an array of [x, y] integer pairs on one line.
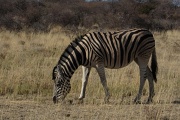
{"points": [[27, 59]]}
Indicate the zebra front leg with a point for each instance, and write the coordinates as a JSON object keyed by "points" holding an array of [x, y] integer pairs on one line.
{"points": [[101, 72], [85, 77], [151, 86]]}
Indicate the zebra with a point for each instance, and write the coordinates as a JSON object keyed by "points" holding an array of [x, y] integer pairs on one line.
{"points": [[102, 50]]}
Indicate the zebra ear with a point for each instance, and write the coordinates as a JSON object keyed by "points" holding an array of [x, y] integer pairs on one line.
{"points": [[54, 73]]}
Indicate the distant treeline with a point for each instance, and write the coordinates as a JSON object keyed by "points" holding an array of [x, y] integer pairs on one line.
{"points": [[42, 15]]}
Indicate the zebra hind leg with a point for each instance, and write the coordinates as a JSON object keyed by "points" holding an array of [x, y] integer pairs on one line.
{"points": [[101, 72], [85, 77], [143, 75], [151, 86]]}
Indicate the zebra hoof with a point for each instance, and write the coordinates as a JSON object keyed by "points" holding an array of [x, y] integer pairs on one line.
{"points": [[80, 101], [69, 102], [106, 100], [149, 101], [137, 102]]}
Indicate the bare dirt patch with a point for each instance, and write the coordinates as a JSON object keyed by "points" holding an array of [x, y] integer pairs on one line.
{"points": [[44, 109]]}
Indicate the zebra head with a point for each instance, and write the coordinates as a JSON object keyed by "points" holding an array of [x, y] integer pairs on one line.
{"points": [[61, 85]]}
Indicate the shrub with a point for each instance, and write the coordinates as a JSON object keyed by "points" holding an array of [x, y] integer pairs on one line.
{"points": [[156, 14]]}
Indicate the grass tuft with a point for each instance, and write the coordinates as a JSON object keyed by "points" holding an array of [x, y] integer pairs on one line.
{"points": [[27, 59]]}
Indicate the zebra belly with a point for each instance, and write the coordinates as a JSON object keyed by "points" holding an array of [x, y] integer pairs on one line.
{"points": [[117, 65]]}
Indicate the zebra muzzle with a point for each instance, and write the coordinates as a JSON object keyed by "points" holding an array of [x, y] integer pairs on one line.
{"points": [[55, 99]]}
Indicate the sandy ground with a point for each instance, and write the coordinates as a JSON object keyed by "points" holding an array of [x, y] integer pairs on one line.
{"points": [[44, 109]]}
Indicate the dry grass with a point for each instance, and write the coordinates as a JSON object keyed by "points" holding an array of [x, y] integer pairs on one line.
{"points": [[26, 62]]}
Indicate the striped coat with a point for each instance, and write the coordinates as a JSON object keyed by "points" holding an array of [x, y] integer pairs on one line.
{"points": [[108, 50]]}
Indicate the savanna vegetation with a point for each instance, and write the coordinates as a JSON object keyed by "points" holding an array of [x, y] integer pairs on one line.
{"points": [[34, 34], [77, 14], [26, 62]]}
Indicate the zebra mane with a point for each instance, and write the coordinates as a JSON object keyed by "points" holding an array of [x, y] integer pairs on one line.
{"points": [[77, 39], [73, 44]]}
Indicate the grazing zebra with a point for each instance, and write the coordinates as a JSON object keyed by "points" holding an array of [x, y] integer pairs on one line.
{"points": [[106, 50]]}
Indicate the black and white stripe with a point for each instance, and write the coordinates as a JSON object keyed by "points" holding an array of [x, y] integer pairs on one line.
{"points": [[111, 50]]}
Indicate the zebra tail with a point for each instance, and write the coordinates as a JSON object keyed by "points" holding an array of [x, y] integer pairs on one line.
{"points": [[154, 65]]}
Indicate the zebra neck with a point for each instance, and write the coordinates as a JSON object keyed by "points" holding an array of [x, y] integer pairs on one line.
{"points": [[72, 58], [69, 62], [68, 69]]}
